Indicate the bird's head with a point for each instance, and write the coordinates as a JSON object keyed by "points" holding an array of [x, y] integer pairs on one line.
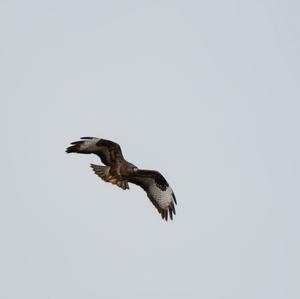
{"points": [[128, 169]]}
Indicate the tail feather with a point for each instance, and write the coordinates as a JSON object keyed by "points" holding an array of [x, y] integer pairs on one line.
{"points": [[103, 173]]}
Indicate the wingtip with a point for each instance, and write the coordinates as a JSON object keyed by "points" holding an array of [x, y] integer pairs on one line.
{"points": [[174, 198], [171, 213], [77, 142], [164, 215], [88, 137], [71, 149]]}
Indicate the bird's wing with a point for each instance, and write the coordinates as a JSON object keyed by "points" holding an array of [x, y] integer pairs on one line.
{"points": [[158, 191], [107, 150]]}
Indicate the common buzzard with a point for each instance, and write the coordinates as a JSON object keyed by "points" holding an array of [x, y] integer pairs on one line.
{"points": [[120, 172]]}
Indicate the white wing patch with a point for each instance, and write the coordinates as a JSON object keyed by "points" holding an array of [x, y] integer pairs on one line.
{"points": [[163, 197], [89, 145]]}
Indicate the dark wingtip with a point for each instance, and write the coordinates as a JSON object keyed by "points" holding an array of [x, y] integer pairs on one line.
{"points": [[171, 213], [71, 149], [86, 137], [77, 142], [173, 208], [174, 198], [164, 215]]}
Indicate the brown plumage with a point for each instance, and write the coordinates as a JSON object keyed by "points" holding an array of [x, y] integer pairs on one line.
{"points": [[120, 172]]}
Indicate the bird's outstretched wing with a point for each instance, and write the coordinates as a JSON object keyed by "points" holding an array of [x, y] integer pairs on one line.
{"points": [[107, 150], [158, 191]]}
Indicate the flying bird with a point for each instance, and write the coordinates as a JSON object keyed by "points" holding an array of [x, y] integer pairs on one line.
{"points": [[120, 172]]}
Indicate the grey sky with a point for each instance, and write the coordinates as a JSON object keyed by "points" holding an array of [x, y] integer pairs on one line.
{"points": [[207, 92]]}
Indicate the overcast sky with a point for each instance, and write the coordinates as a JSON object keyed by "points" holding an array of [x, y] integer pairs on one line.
{"points": [[206, 92]]}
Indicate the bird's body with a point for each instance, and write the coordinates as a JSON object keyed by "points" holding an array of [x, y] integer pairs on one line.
{"points": [[120, 172]]}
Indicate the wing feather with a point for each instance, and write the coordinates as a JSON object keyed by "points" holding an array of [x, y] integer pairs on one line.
{"points": [[108, 151], [158, 191]]}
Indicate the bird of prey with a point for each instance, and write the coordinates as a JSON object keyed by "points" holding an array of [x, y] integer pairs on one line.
{"points": [[120, 172]]}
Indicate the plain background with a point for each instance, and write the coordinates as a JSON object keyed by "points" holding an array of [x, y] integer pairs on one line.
{"points": [[207, 92]]}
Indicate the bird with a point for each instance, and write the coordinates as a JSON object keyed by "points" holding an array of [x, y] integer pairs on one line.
{"points": [[117, 171]]}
